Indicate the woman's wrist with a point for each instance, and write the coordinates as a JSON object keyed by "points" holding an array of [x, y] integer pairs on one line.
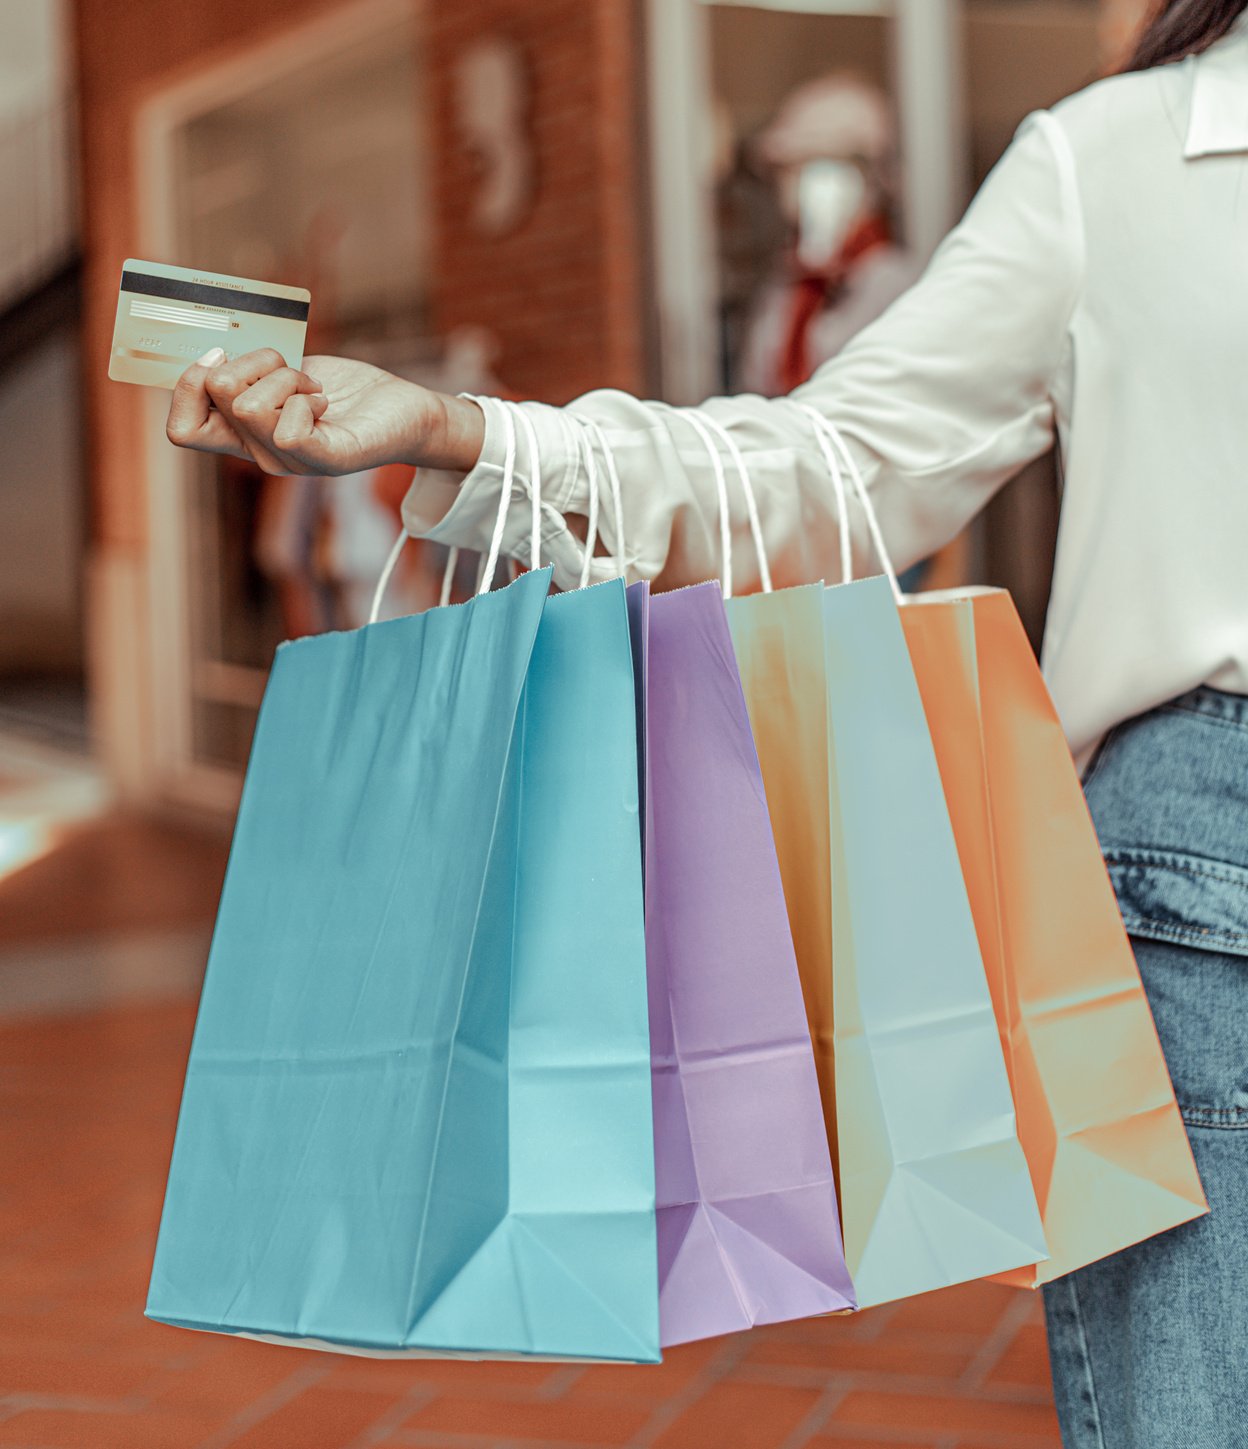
{"points": [[452, 436]]}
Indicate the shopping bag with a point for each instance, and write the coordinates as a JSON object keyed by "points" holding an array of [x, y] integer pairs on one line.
{"points": [[934, 1188], [1097, 1118], [417, 1113], [748, 1231]]}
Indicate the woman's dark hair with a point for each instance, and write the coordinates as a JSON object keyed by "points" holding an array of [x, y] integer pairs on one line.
{"points": [[1183, 27]]}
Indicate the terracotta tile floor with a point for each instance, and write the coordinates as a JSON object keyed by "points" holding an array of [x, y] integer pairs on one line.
{"points": [[88, 1099]]}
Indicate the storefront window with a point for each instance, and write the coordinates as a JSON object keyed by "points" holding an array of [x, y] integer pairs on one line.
{"points": [[806, 154], [331, 196], [845, 138]]}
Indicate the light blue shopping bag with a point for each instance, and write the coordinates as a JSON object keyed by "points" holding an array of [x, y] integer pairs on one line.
{"points": [[417, 1111], [935, 1188]]}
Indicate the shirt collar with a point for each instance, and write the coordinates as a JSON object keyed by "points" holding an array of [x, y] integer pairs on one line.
{"points": [[1218, 123]]}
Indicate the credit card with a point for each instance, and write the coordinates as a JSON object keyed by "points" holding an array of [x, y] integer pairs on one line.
{"points": [[168, 316]]}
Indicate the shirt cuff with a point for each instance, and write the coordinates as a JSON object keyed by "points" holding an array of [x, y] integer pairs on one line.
{"points": [[465, 515]]}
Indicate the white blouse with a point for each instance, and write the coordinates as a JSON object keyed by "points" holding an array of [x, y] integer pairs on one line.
{"points": [[1096, 291]]}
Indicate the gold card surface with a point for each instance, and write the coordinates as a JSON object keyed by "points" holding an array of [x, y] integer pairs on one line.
{"points": [[169, 316]]}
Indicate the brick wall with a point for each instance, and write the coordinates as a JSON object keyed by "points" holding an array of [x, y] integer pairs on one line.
{"points": [[563, 293]]}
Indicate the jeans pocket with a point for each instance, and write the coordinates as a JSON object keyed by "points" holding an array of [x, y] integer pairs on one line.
{"points": [[1199, 1001], [1169, 794], [1169, 895], [1188, 920]]}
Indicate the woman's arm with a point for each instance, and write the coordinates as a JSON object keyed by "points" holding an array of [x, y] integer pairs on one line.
{"points": [[941, 401], [347, 417]]}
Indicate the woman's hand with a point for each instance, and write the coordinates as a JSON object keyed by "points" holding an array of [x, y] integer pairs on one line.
{"points": [[338, 416]]}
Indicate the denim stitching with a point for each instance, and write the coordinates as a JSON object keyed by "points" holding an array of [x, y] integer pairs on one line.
{"points": [[1194, 1114], [1121, 860], [1091, 1401], [1206, 936], [1126, 858], [1227, 874], [1224, 1119]]}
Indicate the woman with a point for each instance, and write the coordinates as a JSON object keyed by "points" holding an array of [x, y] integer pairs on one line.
{"points": [[1097, 291]]}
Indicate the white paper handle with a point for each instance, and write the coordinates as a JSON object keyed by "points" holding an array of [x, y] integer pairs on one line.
{"points": [[584, 449], [392, 559], [698, 423], [448, 576], [838, 488], [535, 483], [747, 487], [490, 562], [836, 452], [617, 493], [504, 496]]}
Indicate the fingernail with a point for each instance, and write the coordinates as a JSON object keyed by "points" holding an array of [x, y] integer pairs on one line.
{"points": [[314, 383], [212, 357]]}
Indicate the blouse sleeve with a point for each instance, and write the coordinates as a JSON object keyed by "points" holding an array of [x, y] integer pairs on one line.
{"points": [[940, 402]]}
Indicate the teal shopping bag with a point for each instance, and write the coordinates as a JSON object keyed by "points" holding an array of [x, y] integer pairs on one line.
{"points": [[417, 1110]]}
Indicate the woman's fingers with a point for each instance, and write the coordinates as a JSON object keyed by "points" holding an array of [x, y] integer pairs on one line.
{"points": [[202, 411], [296, 423], [254, 386], [228, 380], [250, 392], [193, 422], [259, 406]]}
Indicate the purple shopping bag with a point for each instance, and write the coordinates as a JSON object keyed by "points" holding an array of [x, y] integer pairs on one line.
{"points": [[747, 1216]]}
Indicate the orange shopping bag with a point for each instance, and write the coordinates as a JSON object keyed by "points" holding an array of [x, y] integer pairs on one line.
{"points": [[1109, 1156]]}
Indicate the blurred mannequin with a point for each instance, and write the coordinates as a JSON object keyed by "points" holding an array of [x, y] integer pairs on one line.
{"points": [[831, 150]]}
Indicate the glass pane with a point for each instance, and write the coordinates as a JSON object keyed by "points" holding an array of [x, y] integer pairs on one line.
{"points": [[809, 226]]}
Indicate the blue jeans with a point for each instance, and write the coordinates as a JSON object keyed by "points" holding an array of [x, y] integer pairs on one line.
{"points": [[1149, 1348]]}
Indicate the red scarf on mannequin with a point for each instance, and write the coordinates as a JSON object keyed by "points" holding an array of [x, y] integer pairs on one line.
{"points": [[813, 291]]}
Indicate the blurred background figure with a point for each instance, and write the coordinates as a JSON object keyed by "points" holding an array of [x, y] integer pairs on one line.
{"points": [[832, 153], [830, 156]]}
